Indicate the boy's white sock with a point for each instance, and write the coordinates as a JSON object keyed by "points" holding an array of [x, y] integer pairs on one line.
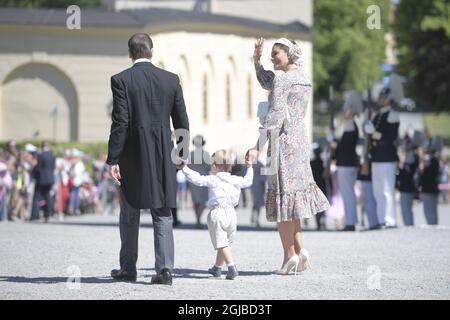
{"points": [[218, 267], [231, 264]]}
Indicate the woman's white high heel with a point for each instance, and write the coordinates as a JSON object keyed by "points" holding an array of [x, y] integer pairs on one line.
{"points": [[304, 260], [292, 263]]}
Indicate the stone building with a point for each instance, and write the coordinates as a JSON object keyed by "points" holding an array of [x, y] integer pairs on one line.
{"points": [[55, 81]]}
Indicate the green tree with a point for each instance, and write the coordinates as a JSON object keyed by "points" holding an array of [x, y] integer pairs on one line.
{"points": [[48, 3], [347, 53], [422, 33]]}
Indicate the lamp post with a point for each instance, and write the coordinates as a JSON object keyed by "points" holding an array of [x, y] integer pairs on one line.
{"points": [[54, 115]]}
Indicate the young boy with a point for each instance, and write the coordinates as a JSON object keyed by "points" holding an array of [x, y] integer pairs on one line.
{"points": [[224, 191]]}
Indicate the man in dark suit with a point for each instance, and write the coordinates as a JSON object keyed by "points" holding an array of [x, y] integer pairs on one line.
{"points": [[145, 98], [43, 174]]}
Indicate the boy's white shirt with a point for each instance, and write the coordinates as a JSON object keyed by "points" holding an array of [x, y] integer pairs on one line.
{"points": [[223, 188]]}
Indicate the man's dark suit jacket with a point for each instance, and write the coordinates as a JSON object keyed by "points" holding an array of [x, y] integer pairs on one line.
{"points": [[44, 170], [145, 98]]}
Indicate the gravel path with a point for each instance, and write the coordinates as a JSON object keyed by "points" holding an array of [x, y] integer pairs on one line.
{"points": [[37, 260]]}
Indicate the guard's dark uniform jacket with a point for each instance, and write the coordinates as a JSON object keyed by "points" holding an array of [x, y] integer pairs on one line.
{"points": [[384, 150], [406, 175], [346, 149]]}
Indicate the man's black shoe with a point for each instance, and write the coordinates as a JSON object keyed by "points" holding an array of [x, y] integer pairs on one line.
{"points": [[349, 228], [164, 277], [176, 223], [123, 275]]}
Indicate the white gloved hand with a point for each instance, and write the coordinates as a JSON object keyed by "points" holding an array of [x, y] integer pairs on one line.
{"points": [[369, 128], [376, 135], [330, 137]]}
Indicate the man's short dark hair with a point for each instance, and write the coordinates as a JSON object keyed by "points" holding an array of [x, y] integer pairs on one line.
{"points": [[140, 45]]}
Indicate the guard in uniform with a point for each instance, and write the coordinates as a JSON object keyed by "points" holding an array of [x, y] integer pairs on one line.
{"points": [[429, 175], [369, 203], [347, 162], [201, 162], [384, 132], [406, 183], [317, 169]]}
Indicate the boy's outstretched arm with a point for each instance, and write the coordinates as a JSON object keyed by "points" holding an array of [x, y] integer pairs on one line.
{"points": [[196, 178], [247, 180]]}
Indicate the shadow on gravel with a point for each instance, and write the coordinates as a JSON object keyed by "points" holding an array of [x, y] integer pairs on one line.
{"points": [[183, 226], [96, 224], [203, 274], [193, 226], [178, 273], [50, 280]]}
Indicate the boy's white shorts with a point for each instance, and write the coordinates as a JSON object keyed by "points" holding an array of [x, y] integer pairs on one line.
{"points": [[222, 225]]}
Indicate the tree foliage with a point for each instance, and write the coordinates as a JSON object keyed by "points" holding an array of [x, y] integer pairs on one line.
{"points": [[422, 33], [48, 3], [347, 54]]}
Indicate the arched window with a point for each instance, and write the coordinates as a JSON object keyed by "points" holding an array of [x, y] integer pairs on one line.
{"points": [[185, 68], [228, 97], [56, 114], [205, 98], [249, 96]]}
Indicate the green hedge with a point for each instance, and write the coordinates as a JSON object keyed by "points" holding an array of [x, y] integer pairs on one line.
{"points": [[438, 124]]}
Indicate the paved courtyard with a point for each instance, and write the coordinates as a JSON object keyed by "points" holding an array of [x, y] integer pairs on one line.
{"points": [[72, 260]]}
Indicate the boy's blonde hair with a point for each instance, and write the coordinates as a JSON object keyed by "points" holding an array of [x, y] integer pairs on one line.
{"points": [[222, 160]]}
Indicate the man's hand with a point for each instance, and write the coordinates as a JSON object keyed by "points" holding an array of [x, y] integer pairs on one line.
{"points": [[114, 171], [180, 165]]}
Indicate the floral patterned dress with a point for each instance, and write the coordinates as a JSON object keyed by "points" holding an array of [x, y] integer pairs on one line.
{"points": [[291, 191]]}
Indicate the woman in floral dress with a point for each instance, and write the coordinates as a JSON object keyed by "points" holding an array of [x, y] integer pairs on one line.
{"points": [[292, 194]]}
